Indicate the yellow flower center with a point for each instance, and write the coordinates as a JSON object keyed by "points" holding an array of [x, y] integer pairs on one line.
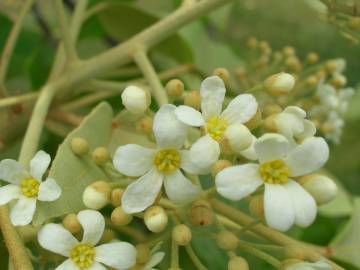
{"points": [[215, 127], [30, 187], [274, 172], [83, 255], [167, 160]]}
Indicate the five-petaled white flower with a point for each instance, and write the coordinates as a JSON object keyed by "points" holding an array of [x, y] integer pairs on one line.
{"points": [[27, 187], [85, 255], [216, 122], [319, 265], [285, 201], [161, 165]]}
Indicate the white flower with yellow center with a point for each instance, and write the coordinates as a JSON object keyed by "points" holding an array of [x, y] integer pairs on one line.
{"points": [[217, 123], [161, 165], [26, 187], [319, 265], [85, 255], [285, 201]]}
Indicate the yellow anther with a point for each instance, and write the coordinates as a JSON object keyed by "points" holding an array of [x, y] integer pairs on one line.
{"points": [[30, 187], [167, 160], [274, 172], [83, 255], [215, 127]]}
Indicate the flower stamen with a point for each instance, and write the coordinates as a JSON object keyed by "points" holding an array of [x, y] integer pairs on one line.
{"points": [[83, 255], [275, 172], [167, 160], [30, 187], [215, 127]]}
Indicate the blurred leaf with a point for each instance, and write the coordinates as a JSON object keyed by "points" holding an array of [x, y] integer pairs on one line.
{"points": [[220, 18], [74, 173]]}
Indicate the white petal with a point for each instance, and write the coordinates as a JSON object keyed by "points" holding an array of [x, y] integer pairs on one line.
{"points": [[241, 109], [178, 188], [67, 265], [189, 166], [309, 130], [289, 125], [212, 93], [39, 164], [169, 131], [205, 152], [49, 190], [142, 193], [155, 260], [189, 116], [308, 157], [304, 204], [295, 110], [93, 224], [56, 238], [96, 266], [271, 146], [11, 171], [237, 182], [23, 211], [133, 160], [278, 207], [119, 255], [250, 153], [8, 193]]}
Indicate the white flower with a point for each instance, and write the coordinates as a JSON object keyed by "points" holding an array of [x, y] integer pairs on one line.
{"points": [[292, 124], [333, 126], [161, 165], [319, 265], [26, 187], [155, 259], [215, 121], [285, 201], [85, 255]]}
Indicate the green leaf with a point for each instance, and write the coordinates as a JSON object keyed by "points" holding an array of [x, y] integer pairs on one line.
{"points": [[123, 21], [346, 245], [74, 173]]}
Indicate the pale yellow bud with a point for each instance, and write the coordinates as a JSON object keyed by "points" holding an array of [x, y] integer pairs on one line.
{"points": [[312, 58], [119, 217], [312, 81], [240, 73], [272, 109], [79, 146], [116, 195], [279, 84], [145, 125], [293, 63], [256, 206], [238, 263], [354, 23], [252, 43], [193, 99], [227, 240], [223, 73], [294, 252], [288, 51], [255, 121], [97, 195], [338, 80], [181, 234], [239, 137], [107, 236], [155, 219], [135, 99], [219, 166], [143, 253], [174, 88], [201, 214], [264, 47], [71, 223], [270, 124], [101, 156]]}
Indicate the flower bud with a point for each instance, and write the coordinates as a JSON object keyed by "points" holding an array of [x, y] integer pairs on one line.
{"points": [[135, 99], [240, 73], [312, 81], [272, 108], [79, 146], [238, 263], [321, 187], [143, 253], [256, 206], [175, 88], [115, 197], [270, 124], [312, 58], [354, 23], [288, 51], [71, 223], [255, 121], [227, 240], [264, 47], [223, 73], [201, 214], [294, 252], [181, 234], [338, 80], [145, 125], [97, 195], [107, 236], [101, 156], [155, 219], [239, 137], [252, 43], [219, 166], [335, 65], [119, 217], [293, 63], [193, 99], [279, 84]]}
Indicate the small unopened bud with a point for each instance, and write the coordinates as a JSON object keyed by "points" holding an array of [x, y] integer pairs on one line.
{"points": [[71, 223], [239, 137], [320, 74], [181, 234], [288, 51], [279, 84], [227, 240], [155, 219], [334, 65], [238, 263], [115, 197], [278, 56], [175, 88], [252, 43], [321, 187], [193, 99], [255, 121], [256, 206], [240, 73], [79, 146], [354, 23], [293, 63], [312, 58], [101, 156], [223, 73], [294, 252], [97, 195], [119, 217], [145, 125], [201, 214], [219, 166], [338, 80], [312, 81], [143, 253], [272, 109], [270, 124], [107, 236], [264, 47], [135, 99]]}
